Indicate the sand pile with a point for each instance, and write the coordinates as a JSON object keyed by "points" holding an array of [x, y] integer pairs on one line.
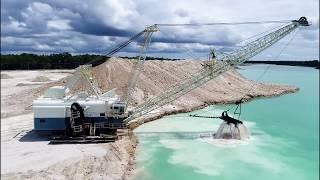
{"points": [[158, 76], [23, 84], [5, 76], [28, 84], [41, 79]]}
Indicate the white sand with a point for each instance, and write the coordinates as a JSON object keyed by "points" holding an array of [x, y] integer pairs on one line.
{"points": [[8, 86], [25, 155], [5, 76], [17, 92], [37, 155], [31, 157]]}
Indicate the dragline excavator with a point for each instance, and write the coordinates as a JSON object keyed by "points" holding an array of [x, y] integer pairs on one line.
{"points": [[93, 116]]}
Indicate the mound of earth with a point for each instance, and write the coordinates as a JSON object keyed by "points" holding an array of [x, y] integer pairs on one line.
{"points": [[157, 76], [22, 84], [28, 84], [41, 79], [5, 76]]}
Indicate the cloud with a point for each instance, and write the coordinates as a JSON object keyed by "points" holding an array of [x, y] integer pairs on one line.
{"points": [[75, 26], [182, 13], [59, 24]]}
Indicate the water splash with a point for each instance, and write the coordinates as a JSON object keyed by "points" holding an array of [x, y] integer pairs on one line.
{"points": [[232, 131], [228, 135]]}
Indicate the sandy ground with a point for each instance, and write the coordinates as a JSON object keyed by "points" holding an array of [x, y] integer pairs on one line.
{"points": [[28, 156], [19, 88], [24, 155]]}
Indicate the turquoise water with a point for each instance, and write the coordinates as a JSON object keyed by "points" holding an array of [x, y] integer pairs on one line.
{"points": [[284, 141]]}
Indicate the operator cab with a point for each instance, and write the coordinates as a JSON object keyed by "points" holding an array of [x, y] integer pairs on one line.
{"points": [[118, 108]]}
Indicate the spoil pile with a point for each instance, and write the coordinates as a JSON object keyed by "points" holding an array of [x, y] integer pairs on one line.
{"points": [[157, 76], [5, 76], [41, 79]]}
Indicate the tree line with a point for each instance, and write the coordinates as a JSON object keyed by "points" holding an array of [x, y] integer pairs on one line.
{"points": [[67, 61], [54, 61], [313, 63]]}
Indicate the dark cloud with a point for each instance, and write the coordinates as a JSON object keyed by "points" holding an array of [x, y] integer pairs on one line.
{"points": [[91, 26], [75, 26], [182, 13]]}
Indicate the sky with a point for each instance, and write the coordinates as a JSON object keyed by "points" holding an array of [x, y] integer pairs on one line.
{"points": [[94, 27]]}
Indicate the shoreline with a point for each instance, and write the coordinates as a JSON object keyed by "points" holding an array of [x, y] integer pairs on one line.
{"points": [[142, 120], [136, 124]]}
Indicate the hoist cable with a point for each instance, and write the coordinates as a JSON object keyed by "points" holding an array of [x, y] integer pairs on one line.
{"points": [[264, 32], [125, 43], [267, 68], [276, 58], [224, 23], [118, 47]]}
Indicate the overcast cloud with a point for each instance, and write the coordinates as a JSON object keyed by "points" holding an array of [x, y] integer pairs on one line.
{"points": [[78, 27]]}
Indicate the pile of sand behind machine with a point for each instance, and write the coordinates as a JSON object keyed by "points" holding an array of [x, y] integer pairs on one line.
{"points": [[157, 76]]}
